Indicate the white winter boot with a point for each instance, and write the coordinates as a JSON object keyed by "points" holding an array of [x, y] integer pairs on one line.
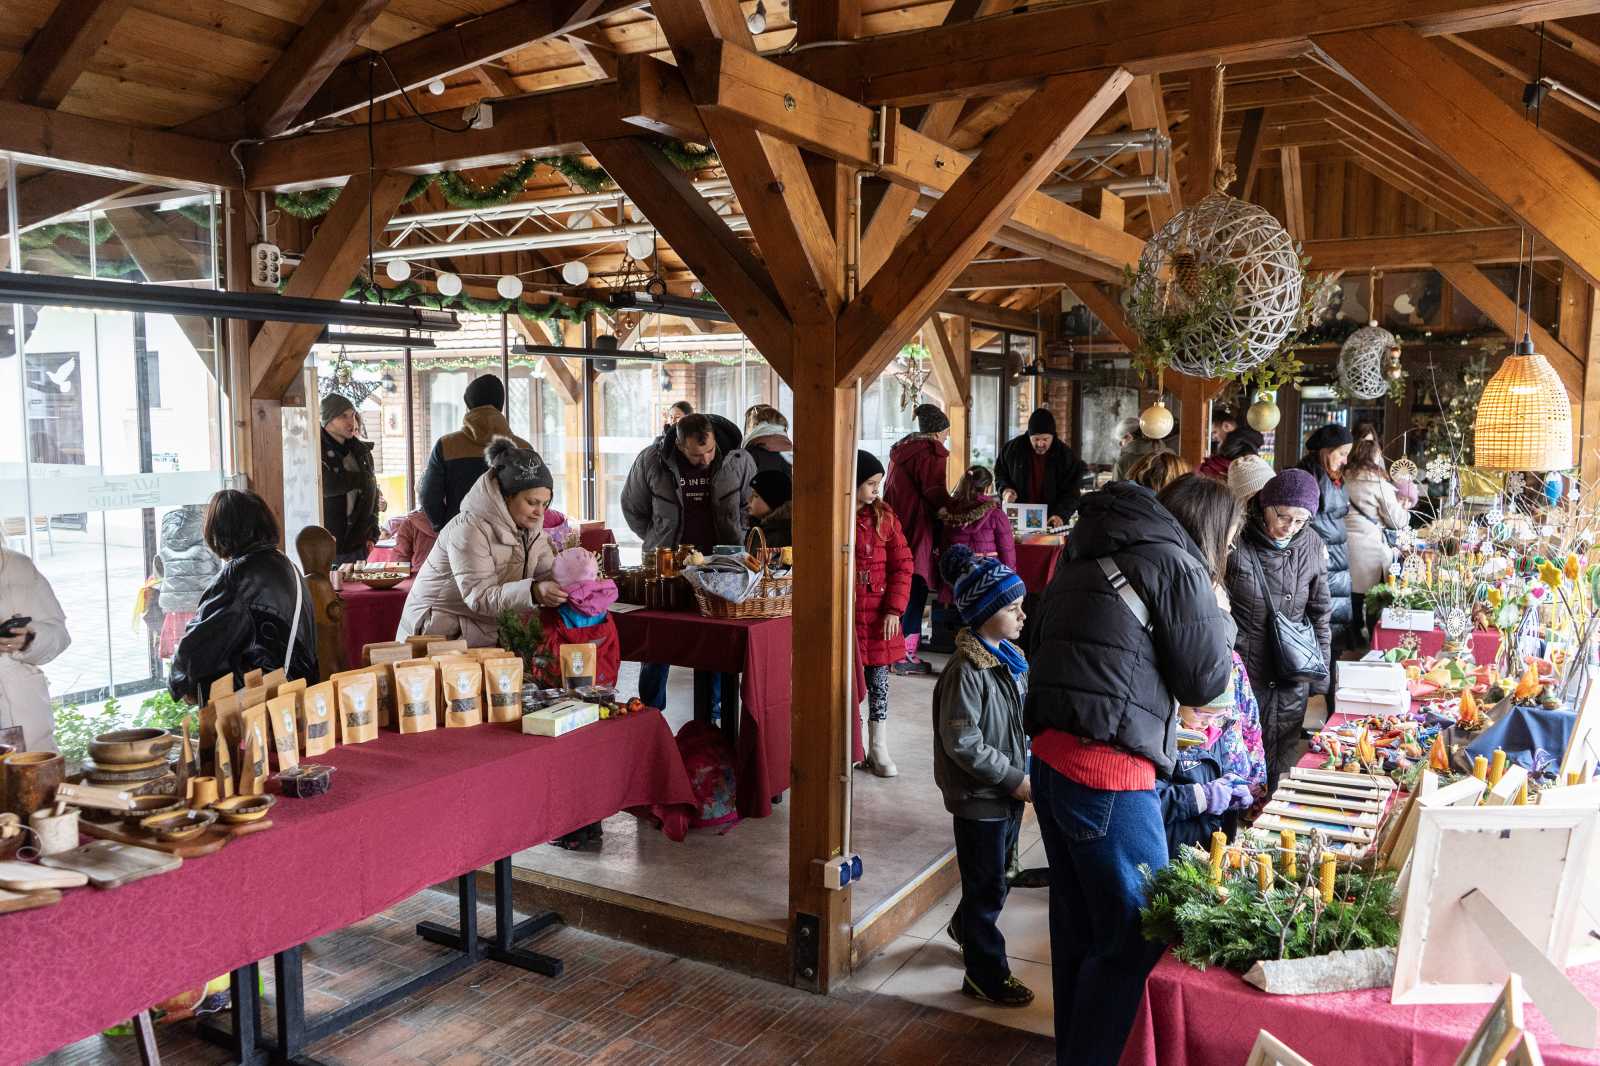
{"points": [[878, 750]]}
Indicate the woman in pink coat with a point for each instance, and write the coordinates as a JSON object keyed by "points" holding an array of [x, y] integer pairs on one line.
{"points": [[976, 519]]}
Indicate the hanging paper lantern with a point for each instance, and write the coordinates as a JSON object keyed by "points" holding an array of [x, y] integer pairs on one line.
{"points": [[1361, 361], [640, 245], [575, 272], [1223, 232], [397, 269], [449, 285], [509, 287], [1155, 421]]}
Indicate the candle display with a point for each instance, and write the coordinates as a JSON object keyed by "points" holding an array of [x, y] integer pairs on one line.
{"points": [[1480, 768], [1325, 877], [1286, 840], [1497, 767], [1219, 845], [1264, 871]]}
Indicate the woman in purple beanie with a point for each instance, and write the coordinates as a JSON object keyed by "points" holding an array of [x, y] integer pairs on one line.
{"points": [[1277, 547]]}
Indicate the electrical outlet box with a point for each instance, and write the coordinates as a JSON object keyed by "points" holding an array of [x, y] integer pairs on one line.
{"points": [[266, 265], [479, 116], [837, 872]]}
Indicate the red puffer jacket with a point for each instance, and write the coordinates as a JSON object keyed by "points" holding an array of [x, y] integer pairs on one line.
{"points": [[883, 585], [983, 527], [915, 488]]}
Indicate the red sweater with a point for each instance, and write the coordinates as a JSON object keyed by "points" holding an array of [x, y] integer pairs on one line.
{"points": [[1094, 765]]}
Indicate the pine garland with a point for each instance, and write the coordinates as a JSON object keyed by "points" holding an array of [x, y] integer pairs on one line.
{"points": [[411, 292], [581, 175], [689, 157]]}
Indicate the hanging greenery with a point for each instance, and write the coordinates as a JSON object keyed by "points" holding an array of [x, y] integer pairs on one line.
{"points": [[689, 157], [313, 203], [578, 173], [1167, 327], [411, 292], [460, 192]]}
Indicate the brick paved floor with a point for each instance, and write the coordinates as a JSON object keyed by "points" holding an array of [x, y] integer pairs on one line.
{"points": [[616, 1004]]}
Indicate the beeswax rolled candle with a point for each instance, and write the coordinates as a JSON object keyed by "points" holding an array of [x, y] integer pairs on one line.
{"points": [[1286, 840], [1264, 871], [1497, 767], [1325, 877], [1219, 846], [1480, 768]]}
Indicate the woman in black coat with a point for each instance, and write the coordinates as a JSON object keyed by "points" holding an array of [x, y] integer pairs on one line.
{"points": [[245, 617], [1327, 452], [1294, 563]]}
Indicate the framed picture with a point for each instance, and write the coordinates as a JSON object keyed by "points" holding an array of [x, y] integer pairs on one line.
{"points": [[1270, 1051], [1027, 517], [1583, 747], [1586, 937], [1500, 1030]]}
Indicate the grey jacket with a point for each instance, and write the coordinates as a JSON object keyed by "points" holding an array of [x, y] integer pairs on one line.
{"points": [[652, 497], [980, 749], [187, 565]]}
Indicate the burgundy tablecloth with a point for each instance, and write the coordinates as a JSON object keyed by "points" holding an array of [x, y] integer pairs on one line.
{"points": [[1190, 1018], [595, 539], [1036, 564], [406, 812], [370, 616], [759, 652], [1485, 642]]}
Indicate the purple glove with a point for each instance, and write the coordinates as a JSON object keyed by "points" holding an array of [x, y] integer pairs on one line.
{"points": [[1219, 795], [1243, 797]]}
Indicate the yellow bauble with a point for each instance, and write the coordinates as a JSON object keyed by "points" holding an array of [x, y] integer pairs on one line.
{"points": [[1155, 421], [1263, 416]]}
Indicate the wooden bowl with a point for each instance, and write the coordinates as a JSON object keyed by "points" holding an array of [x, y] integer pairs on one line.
{"points": [[149, 807], [126, 747], [180, 825], [378, 582], [237, 810]]}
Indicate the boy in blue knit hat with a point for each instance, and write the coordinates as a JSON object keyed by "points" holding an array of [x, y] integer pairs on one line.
{"points": [[980, 761]]}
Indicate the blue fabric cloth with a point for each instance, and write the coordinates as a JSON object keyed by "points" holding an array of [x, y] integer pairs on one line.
{"points": [[980, 585], [575, 620], [1096, 842], [1524, 732], [982, 846], [1009, 654]]}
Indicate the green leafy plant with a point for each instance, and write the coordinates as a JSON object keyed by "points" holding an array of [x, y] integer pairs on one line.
{"points": [[75, 726], [162, 711], [1166, 327], [1235, 924], [523, 632]]}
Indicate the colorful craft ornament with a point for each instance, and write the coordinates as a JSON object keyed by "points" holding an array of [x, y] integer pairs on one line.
{"points": [[1468, 711], [1550, 574], [1571, 570], [1438, 755], [1528, 685], [1365, 753]]}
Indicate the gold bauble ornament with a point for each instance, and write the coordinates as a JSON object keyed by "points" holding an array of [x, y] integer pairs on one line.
{"points": [[1155, 421], [1263, 415]]}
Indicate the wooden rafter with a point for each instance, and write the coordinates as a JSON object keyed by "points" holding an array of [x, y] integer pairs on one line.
{"points": [[1247, 156], [1012, 274], [594, 52], [988, 314], [568, 381], [1108, 309], [1517, 52], [496, 79], [1203, 134], [1420, 250], [1486, 296], [111, 149], [61, 50], [1547, 189], [162, 257], [1566, 127], [1146, 110], [1016, 158], [1294, 196]]}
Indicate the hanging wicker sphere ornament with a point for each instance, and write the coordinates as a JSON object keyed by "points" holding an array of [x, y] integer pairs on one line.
{"points": [[1155, 421], [1263, 415], [1222, 240], [1361, 361]]}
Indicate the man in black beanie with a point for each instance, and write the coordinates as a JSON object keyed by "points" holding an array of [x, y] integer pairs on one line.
{"points": [[1037, 467], [350, 499], [456, 462]]}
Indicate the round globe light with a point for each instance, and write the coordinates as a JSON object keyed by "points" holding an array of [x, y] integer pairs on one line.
{"points": [[509, 287], [575, 272], [1155, 421], [449, 285], [397, 269], [641, 245], [436, 87]]}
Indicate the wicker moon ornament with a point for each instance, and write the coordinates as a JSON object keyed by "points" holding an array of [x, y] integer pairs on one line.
{"points": [[1361, 362], [1222, 231]]}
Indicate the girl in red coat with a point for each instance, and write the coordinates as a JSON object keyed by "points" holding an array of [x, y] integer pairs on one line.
{"points": [[883, 584]]}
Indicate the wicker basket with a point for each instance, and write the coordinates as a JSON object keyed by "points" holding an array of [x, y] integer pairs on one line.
{"points": [[769, 599]]}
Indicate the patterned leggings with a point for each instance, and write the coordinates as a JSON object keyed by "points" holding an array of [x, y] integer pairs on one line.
{"points": [[877, 693]]}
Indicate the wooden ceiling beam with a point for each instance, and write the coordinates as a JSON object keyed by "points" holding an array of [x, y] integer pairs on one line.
{"points": [[1017, 51], [108, 149], [1499, 308], [594, 52], [1012, 274], [60, 50], [162, 257], [989, 314], [701, 237], [566, 380], [1147, 111], [1420, 251], [1546, 189], [1294, 196], [1203, 134], [1440, 190], [1247, 157], [652, 97], [496, 80], [1565, 126], [1517, 52], [1244, 96], [1018, 156], [1108, 309]]}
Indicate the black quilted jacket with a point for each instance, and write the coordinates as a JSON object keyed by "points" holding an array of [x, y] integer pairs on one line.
{"points": [[243, 625], [1329, 524]]}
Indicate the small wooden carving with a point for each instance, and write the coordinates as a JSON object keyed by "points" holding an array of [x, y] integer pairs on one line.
{"points": [[317, 550]]}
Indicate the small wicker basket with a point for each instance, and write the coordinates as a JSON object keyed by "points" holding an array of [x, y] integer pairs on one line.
{"points": [[770, 598]]}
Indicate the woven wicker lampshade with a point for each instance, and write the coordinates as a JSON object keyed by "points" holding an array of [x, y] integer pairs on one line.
{"points": [[1524, 420]]}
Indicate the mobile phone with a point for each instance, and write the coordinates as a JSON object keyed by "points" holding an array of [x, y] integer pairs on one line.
{"points": [[14, 625]]}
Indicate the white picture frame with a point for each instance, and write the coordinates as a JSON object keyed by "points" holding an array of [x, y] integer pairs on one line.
{"points": [[1528, 862], [1586, 935], [1027, 517], [1583, 747], [1268, 1050], [1500, 1031], [1504, 792]]}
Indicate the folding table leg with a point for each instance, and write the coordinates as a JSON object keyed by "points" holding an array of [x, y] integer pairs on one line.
{"points": [[244, 1011], [703, 709], [144, 1032], [502, 948]]}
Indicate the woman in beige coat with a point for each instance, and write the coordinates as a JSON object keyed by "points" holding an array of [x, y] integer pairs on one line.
{"points": [[491, 557], [1374, 508]]}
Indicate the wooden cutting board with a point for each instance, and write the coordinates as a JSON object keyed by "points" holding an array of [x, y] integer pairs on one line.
{"points": [[205, 843], [112, 864], [27, 901], [26, 877]]}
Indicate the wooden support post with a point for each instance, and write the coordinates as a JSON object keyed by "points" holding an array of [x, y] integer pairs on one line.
{"points": [[1205, 134], [1247, 158], [952, 367], [1294, 197], [1589, 435], [1194, 415]]}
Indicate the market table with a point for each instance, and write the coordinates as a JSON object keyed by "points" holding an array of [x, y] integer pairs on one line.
{"points": [[405, 813], [758, 653], [370, 616], [1210, 1018], [1485, 642], [1036, 564]]}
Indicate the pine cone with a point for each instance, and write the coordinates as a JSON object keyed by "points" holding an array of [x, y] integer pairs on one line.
{"points": [[1186, 272]]}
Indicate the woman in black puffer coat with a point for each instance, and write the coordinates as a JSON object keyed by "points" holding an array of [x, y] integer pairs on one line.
{"points": [[1327, 452], [1294, 563]]}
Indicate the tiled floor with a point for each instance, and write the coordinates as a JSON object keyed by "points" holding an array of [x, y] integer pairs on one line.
{"points": [[615, 1004]]}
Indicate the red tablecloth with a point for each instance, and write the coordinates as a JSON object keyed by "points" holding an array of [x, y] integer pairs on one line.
{"points": [[370, 616], [1485, 642], [1190, 1018], [759, 652], [1036, 564], [406, 812]]}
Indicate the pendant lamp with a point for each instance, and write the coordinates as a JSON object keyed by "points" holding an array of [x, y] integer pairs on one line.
{"points": [[1524, 420]]}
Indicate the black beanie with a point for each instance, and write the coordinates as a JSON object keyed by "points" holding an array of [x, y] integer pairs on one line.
{"points": [[1041, 421], [485, 391], [929, 420], [773, 486], [1332, 435], [867, 465], [517, 469]]}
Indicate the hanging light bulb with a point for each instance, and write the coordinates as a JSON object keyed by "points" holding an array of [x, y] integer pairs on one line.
{"points": [[397, 269], [1524, 420], [450, 285], [509, 287], [640, 245], [436, 87], [758, 18], [575, 272]]}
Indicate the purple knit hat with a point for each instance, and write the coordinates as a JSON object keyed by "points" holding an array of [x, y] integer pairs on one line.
{"points": [[1292, 488]]}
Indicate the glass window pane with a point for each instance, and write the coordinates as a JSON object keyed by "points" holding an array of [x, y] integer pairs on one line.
{"points": [[627, 421]]}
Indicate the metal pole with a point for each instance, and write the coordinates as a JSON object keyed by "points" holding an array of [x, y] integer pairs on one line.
{"points": [[18, 321]]}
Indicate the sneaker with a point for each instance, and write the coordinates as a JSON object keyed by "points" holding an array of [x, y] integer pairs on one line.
{"points": [[910, 668], [1011, 993], [1033, 877], [953, 933]]}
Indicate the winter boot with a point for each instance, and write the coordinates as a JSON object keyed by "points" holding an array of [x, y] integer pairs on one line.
{"points": [[911, 665], [878, 750]]}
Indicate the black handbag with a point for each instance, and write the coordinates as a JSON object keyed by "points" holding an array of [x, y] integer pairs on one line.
{"points": [[1296, 651]]}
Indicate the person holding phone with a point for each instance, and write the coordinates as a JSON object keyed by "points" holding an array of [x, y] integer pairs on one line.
{"points": [[33, 630]]}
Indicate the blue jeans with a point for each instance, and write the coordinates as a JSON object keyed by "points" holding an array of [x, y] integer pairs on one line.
{"points": [[1096, 841], [653, 686], [981, 849]]}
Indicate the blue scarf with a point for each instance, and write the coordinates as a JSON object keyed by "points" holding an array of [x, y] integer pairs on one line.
{"points": [[1008, 654], [573, 620]]}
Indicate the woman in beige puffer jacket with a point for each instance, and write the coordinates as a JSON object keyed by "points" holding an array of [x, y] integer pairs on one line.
{"points": [[492, 556], [1374, 508]]}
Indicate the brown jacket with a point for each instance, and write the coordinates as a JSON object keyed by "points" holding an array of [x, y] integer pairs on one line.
{"points": [[456, 463]]}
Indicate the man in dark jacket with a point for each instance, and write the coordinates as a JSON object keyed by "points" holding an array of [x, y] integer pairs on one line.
{"points": [[1327, 452], [350, 500], [1037, 467], [456, 462]]}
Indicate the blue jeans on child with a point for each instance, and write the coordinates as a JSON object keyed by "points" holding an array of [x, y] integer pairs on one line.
{"points": [[1096, 841], [653, 687], [982, 845]]}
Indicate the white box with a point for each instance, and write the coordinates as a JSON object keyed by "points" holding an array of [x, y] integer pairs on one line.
{"points": [[1401, 618], [1362, 702], [561, 718], [1380, 676]]}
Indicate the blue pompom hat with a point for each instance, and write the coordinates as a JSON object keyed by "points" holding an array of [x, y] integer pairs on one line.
{"points": [[980, 585]]}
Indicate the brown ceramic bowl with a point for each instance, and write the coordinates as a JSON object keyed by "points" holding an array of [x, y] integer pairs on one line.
{"points": [[378, 582], [237, 810], [179, 825], [125, 746], [149, 807]]}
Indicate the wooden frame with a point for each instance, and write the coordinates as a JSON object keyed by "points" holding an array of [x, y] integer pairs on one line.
{"points": [[1583, 747], [1499, 1031], [1268, 1050], [1586, 938]]}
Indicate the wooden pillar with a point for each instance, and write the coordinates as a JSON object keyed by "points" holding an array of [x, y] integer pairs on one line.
{"points": [[1194, 415], [1589, 436], [257, 424], [952, 366]]}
